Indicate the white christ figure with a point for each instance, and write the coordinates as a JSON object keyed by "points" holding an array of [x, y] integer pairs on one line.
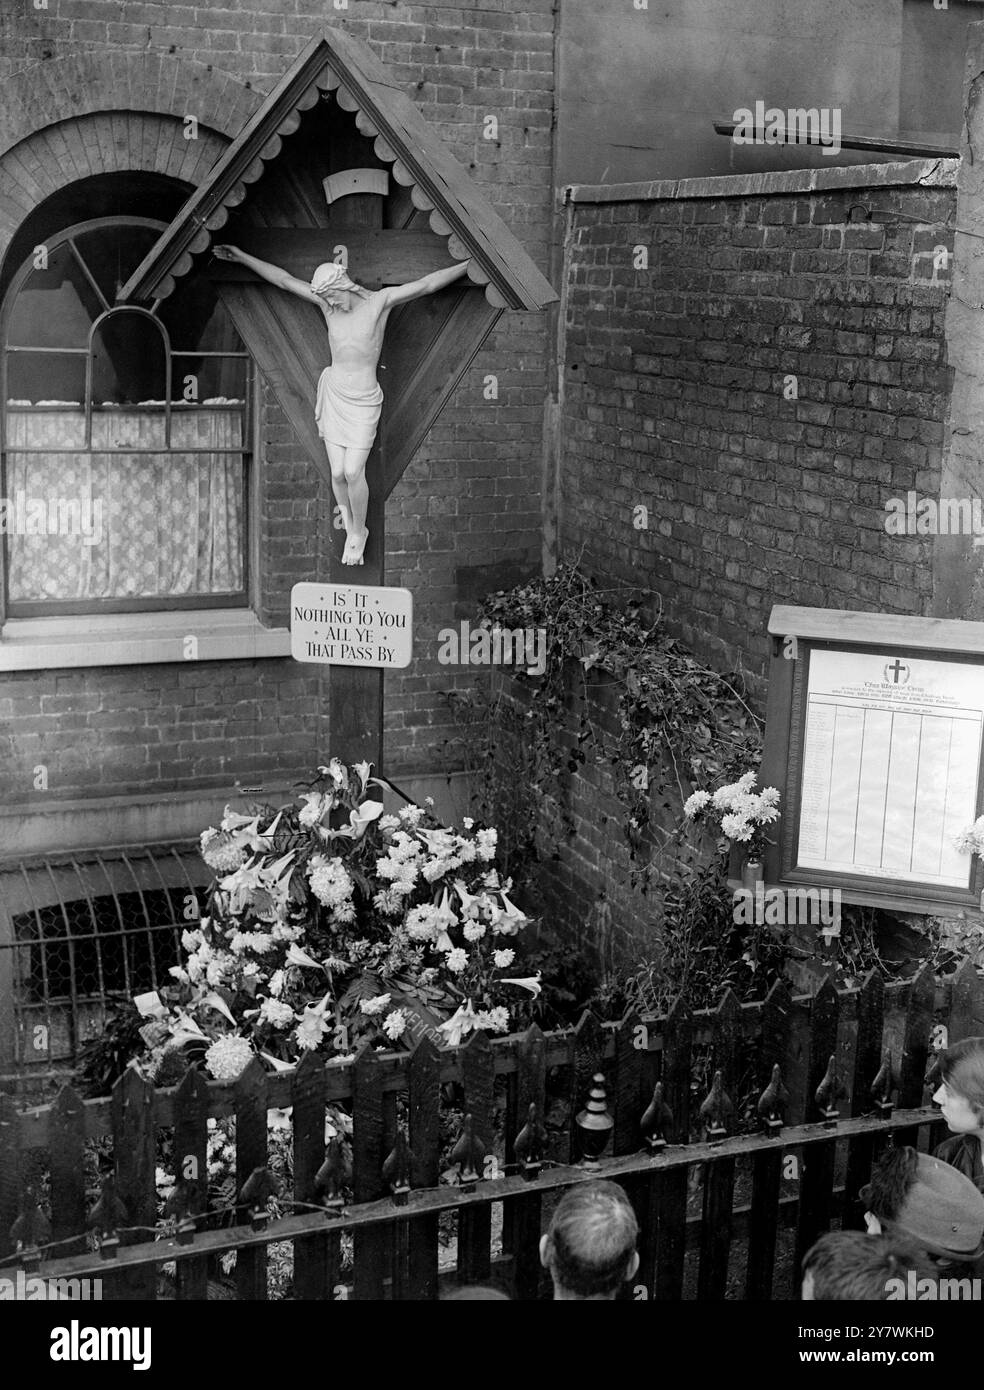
{"points": [[349, 398]]}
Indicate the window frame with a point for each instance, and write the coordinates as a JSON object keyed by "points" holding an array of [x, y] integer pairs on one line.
{"points": [[14, 609]]}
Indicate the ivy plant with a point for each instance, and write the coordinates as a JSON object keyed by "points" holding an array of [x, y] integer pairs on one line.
{"points": [[679, 723]]}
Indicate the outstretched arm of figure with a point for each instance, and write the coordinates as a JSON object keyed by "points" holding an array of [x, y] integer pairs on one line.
{"points": [[428, 284], [273, 273]]}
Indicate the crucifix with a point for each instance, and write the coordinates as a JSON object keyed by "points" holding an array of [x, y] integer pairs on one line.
{"points": [[336, 192], [374, 346], [349, 399]]}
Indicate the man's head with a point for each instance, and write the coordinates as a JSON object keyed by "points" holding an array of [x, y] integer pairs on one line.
{"points": [[333, 286], [589, 1248], [848, 1265], [961, 1094], [926, 1202]]}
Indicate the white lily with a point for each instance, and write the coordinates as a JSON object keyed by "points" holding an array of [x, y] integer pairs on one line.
{"points": [[276, 1063], [363, 770], [280, 866], [336, 772], [215, 1001], [530, 982], [359, 820], [466, 898], [511, 909], [462, 1022], [295, 956]]}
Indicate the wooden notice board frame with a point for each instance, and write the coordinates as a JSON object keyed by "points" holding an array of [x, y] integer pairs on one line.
{"points": [[796, 634]]}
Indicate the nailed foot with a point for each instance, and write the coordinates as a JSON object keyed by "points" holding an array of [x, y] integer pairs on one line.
{"points": [[355, 548]]}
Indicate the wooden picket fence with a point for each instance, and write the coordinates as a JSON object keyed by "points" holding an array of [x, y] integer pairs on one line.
{"points": [[853, 1062]]}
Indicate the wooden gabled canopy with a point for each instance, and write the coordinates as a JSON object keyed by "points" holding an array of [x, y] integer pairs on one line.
{"points": [[337, 109], [336, 62]]}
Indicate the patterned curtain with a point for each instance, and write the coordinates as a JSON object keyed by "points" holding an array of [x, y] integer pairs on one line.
{"points": [[159, 525]]}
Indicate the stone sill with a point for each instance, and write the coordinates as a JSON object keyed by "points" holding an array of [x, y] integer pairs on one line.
{"points": [[138, 639]]}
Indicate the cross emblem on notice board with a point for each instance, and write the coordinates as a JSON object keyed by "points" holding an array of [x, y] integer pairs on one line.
{"points": [[897, 672]]}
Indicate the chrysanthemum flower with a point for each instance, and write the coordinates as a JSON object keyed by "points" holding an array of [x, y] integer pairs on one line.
{"points": [[228, 1057], [395, 1024]]}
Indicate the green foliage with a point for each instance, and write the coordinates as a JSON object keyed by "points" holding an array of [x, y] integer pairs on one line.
{"points": [[104, 1058], [490, 744], [699, 952], [678, 721]]}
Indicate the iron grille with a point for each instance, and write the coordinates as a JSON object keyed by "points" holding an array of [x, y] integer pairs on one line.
{"points": [[78, 933]]}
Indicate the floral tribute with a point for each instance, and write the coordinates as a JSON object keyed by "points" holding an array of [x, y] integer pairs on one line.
{"points": [[971, 840], [330, 922], [740, 813]]}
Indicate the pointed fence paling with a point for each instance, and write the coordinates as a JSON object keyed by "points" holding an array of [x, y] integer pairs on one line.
{"points": [[660, 1105]]}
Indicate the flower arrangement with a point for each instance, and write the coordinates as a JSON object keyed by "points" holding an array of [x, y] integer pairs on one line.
{"points": [[740, 813], [971, 841], [329, 923]]}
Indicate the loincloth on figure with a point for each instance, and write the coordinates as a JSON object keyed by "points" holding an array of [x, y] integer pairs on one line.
{"points": [[347, 418]]}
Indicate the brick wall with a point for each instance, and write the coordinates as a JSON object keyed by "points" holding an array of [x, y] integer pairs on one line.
{"points": [[676, 402], [468, 508], [673, 382], [588, 884]]}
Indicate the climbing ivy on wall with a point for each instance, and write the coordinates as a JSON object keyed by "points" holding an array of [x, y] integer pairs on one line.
{"points": [[679, 723]]}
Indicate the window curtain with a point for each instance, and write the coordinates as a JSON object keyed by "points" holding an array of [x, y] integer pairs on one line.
{"points": [[155, 525]]}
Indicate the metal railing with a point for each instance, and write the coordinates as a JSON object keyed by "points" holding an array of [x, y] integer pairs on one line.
{"points": [[78, 933]]}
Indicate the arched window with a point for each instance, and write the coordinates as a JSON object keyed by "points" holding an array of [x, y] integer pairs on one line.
{"points": [[126, 442]]}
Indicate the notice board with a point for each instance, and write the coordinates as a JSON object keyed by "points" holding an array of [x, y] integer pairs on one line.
{"points": [[875, 739]]}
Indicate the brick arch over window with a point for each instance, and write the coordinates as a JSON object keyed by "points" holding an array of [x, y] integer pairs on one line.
{"points": [[102, 143], [61, 89]]}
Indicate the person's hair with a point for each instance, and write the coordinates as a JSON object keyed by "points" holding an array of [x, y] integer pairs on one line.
{"points": [[849, 1265], [476, 1293], [592, 1235], [962, 1069], [885, 1195]]}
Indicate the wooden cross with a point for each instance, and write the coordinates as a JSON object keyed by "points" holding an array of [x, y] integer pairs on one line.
{"points": [[427, 347]]}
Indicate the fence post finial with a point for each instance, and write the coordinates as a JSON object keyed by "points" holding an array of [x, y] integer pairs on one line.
{"points": [[106, 1218], [256, 1191], [716, 1110], [333, 1176], [830, 1090], [595, 1122], [530, 1143], [771, 1107], [31, 1230], [396, 1169], [469, 1154], [657, 1120], [883, 1088]]}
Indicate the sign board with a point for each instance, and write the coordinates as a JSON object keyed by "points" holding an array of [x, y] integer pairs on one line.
{"points": [[875, 739], [351, 625]]}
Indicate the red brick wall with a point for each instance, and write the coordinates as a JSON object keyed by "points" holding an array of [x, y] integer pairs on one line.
{"points": [[469, 505], [675, 402]]}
